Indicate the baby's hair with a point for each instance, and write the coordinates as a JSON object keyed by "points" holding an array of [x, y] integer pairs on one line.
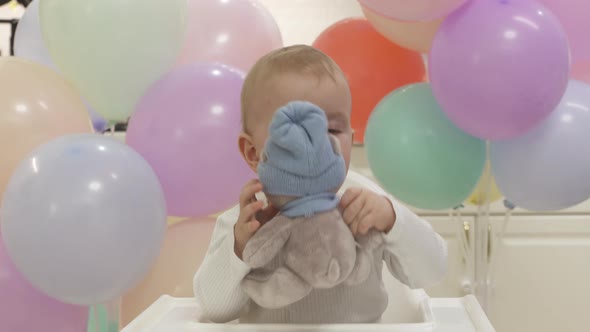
{"points": [[301, 59]]}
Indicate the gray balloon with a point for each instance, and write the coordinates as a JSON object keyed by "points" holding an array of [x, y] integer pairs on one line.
{"points": [[83, 218], [547, 168]]}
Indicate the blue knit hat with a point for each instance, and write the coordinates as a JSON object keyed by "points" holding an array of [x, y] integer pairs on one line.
{"points": [[299, 158]]}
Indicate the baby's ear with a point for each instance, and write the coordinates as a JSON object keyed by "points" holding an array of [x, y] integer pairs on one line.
{"points": [[335, 144]]}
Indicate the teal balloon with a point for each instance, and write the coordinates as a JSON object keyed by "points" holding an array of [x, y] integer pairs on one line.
{"points": [[99, 320], [418, 155]]}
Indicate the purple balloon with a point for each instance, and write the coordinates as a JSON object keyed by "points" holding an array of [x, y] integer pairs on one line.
{"points": [[99, 123], [546, 169], [186, 127], [499, 67], [23, 308]]}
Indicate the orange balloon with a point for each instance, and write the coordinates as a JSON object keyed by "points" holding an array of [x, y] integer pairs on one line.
{"points": [[183, 251], [416, 36], [373, 65], [36, 106]]}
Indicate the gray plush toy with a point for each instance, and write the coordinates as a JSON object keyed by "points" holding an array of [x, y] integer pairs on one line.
{"points": [[307, 245]]}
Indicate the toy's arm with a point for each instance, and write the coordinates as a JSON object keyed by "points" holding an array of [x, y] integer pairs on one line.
{"points": [[267, 242], [365, 258]]}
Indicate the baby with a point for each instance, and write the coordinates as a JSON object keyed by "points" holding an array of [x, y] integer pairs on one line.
{"points": [[413, 253]]}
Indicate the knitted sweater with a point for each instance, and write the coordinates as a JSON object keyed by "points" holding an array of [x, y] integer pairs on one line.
{"points": [[414, 254]]}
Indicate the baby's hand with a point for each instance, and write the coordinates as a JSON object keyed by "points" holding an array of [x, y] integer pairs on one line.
{"points": [[252, 215], [363, 210]]}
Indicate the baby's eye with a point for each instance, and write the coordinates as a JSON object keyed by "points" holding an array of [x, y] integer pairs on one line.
{"points": [[334, 131]]}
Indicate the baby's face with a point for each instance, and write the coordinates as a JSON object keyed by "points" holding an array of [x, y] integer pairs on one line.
{"points": [[331, 96]]}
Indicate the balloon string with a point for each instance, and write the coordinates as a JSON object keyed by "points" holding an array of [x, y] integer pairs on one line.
{"points": [[481, 241], [498, 245], [464, 244]]}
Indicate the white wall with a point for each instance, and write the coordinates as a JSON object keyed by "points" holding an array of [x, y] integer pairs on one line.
{"points": [[300, 21], [7, 12]]}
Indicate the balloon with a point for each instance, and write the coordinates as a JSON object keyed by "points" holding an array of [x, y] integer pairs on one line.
{"points": [[24, 308], [36, 105], [100, 320], [498, 68], [29, 45], [486, 190], [418, 155], [28, 40], [93, 220], [414, 10], [174, 220], [546, 169], [415, 36], [234, 32], [573, 15], [185, 246], [99, 123], [581, 71], [112, 50], [186, 127], [373, 65]]}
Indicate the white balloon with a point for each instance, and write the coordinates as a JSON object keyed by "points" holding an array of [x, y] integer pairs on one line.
{"points": [[28, 40], [83, 218]]}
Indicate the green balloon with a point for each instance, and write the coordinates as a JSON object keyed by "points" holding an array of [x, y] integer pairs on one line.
{"points": [[113, 50], [418, 155], [99, 320]]}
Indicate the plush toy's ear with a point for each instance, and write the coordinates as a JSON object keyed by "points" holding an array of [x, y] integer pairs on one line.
{"points": [[335, 144], [267, 242]]}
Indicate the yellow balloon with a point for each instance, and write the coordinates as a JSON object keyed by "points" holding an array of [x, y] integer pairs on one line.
{"points": [[183, 251], [415, 36], [486, 189], [36, 106], [217, 215], [174, 220]]}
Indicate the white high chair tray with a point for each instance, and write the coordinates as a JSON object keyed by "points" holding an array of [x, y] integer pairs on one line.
{"points": [[437, 315]]}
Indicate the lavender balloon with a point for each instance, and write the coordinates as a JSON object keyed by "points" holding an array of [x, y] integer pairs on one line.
{"points": [[186, 126], [547, 168], [499, 67], [24, 308]]}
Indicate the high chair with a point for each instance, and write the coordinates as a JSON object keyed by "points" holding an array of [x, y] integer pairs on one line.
{"points": [[408, 310]]}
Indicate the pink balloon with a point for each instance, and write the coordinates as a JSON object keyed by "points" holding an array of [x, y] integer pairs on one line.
{"points": [[186, 127], [413, 10], [574, 15], [233, 32], [23, 308], [499, 67]]}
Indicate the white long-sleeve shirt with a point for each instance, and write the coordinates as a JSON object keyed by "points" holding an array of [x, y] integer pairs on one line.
{"points": [[414, 254]]}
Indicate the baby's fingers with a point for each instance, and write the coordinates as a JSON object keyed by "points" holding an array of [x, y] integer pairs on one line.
{"points": [[352, 210], [248, 194], [249, 211], [363, 222], [253, 226]]}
